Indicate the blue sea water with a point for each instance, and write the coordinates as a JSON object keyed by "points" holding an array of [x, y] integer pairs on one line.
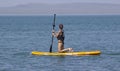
{"points": [[20, 35]]}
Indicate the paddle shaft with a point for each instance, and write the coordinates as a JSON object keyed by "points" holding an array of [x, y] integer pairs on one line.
{"points": [[50, 50]]}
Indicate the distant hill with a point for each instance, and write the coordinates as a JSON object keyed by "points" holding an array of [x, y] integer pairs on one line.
{"points": [[71, 8]]}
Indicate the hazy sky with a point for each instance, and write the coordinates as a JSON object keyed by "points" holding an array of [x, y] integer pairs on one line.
{"points": [[6, 3]]}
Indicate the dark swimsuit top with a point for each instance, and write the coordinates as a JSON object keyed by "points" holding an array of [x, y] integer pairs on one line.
{"points": [[61, 36]]}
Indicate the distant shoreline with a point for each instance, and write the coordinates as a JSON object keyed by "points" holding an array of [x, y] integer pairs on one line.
{"points": [[60, 14]]}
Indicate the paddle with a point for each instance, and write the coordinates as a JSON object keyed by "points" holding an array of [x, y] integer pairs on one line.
{"points": [[50, 50]]}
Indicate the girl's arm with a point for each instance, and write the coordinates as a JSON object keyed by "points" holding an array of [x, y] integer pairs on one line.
{"points": [[55, 34]]}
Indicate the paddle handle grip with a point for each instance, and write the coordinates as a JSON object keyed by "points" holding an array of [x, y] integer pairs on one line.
{"points": [[54, 21]]}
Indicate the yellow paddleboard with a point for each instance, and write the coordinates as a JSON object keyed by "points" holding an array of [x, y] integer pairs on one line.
{"points": [[80, 53]]}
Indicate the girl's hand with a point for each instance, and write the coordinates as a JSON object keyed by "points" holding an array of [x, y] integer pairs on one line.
{"points": [[53, 31]]}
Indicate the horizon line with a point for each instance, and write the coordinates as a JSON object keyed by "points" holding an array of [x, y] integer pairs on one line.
{"points": [[56, 14]]}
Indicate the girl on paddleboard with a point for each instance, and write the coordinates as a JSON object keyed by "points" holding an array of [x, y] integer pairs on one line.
{"points": [[60, 36]]}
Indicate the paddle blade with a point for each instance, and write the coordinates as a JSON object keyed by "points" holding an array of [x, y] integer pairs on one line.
{"points": [[50, 48]]}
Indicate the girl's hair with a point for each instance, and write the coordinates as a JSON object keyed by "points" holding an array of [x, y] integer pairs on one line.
{"points": [[61, 26]]}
